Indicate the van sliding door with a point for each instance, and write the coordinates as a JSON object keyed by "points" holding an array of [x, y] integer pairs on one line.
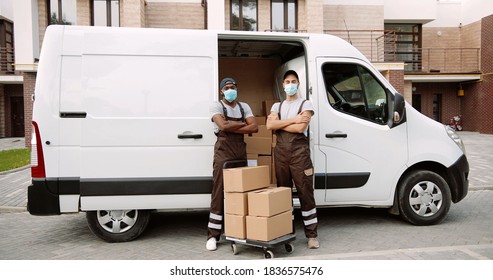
{"points": [[148, 130]]}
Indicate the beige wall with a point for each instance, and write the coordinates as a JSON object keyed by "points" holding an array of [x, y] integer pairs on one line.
{"points": [[2, 111], [446, 54], [263, 15], [83, 12], [356, 17], [470, 35], [132, 13], [310, 16], [42, 19], [175, 15]]}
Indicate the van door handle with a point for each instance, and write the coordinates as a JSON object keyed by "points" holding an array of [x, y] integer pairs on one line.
{"points": [[189, 136], [335, 135], [73, 115]]}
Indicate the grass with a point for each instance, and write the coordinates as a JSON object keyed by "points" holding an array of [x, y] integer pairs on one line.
{"points": [[16, 158]]}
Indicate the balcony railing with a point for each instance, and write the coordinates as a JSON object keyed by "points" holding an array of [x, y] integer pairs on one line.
{"points": [[286, 30], [372, 43], [381, 46], [441, 60], [7, 60]]}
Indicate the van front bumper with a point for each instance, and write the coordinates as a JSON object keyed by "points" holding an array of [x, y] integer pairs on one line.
{"points": [[458, 174]]}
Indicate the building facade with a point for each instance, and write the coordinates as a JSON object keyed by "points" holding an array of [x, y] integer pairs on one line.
{"points": [[437, 53]]}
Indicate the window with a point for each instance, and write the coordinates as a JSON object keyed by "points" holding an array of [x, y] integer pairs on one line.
{"points": [[284, 15], [6, 46], [62, 12], [353, 90], [408, 46], [106, 13], [244, 15]]}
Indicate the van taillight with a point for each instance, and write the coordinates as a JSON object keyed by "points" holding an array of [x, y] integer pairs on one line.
{"points": [[37, 158]]}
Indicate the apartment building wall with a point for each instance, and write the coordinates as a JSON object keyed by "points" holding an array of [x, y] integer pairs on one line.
{"points": [[353, 17], [450, 102], [3, 114], [29, 83], [83, 12], [188, 15], [354, 23], [478, 98], [43, 19], [441, 49], [7, 92]]}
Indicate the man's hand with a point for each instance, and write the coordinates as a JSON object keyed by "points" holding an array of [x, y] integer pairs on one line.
{"points": [[302, 118]]}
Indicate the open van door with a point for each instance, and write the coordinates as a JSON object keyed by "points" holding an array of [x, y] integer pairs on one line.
{"points": [[364, 150]]}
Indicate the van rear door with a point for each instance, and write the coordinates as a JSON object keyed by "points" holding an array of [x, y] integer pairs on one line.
{"points": [[363, 153]]}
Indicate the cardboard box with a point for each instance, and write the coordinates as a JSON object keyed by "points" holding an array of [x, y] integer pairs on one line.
{"points": [[235, 226], [263, 132], [261, 120], [269, 201], [267, 105], [269, 228], [258, 145], [264, 160], [243, 179], [236, 203]]}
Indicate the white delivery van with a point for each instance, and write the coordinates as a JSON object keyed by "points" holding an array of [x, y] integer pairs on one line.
{"points": [[121, 125]]}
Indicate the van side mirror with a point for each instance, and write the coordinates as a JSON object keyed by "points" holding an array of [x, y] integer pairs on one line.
{"points": [[399, 109]]}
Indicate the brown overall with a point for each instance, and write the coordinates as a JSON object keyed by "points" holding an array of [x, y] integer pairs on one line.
{"points": [[293, 163], [229, 146]]}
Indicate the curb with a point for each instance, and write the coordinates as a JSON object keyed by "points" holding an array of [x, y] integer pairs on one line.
{"points": [[12, 209], [15, 169]]}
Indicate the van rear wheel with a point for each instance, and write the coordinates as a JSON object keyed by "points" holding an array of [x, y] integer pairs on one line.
{"points": [[424, 198], [118, 225]]}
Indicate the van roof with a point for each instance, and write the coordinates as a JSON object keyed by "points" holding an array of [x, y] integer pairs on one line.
{"points": [[320, 44]]}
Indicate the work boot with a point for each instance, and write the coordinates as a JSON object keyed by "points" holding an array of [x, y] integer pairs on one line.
{"points": [[211, 244], [313, 243]]}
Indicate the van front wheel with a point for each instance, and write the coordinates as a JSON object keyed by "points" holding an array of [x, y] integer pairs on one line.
{"points": [[118, 225], [424, 198]]}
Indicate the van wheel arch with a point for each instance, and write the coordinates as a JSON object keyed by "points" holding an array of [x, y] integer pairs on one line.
{"points": [[118, 225], [423, 197]]}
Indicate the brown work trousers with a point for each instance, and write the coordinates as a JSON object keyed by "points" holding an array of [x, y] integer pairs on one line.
{"points": [[293, 164], [229, 146]]}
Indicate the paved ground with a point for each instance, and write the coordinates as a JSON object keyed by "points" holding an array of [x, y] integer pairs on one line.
{"points": [[345, 233]]}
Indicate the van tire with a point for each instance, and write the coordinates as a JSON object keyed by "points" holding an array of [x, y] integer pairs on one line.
{"points": [[118, 225], [424, 198]]}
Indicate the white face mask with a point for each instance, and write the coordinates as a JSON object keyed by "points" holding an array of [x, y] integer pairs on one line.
{"points": [[291, 89]]}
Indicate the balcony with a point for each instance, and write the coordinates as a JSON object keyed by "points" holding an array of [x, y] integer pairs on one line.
{"points": [[381, 46]]}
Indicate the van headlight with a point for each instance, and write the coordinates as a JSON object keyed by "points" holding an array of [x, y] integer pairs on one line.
{"points": [[454, 136]]}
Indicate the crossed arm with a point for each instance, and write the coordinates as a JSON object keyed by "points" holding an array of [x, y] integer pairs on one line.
{"points": [[247, 127], [297, 124]]}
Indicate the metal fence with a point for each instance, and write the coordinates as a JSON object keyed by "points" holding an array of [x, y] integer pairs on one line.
{"points": [[382, 46]]}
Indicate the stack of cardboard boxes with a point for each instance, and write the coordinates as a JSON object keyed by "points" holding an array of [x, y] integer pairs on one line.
{"points": [[253, 209], [259, 145]]}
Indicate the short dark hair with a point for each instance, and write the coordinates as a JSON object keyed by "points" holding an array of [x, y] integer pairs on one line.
{"points": [[290, 72]]}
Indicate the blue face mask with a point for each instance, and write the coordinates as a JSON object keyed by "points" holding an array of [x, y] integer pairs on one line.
{"points": [[291, 89], [230, 95]]}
